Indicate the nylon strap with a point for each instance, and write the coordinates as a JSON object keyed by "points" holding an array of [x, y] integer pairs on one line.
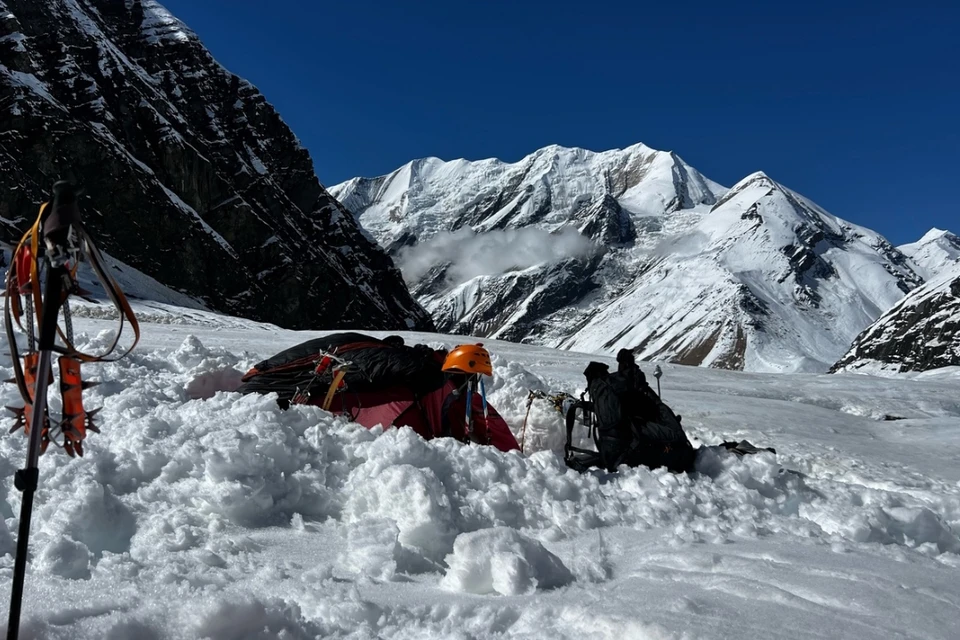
{"points": [[337, 379]]}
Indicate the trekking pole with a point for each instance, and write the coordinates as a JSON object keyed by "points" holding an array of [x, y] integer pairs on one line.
{"points": [[56, 230], [468, 425], [486, 412], [55, 239], [657, 372]]}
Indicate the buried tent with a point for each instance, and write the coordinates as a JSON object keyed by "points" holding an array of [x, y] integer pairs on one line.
{"points": [[380, 382]]}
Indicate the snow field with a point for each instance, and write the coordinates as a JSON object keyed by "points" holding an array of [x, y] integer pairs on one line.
{"points": [[227, 518]]}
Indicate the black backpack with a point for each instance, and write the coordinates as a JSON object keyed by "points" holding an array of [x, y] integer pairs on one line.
{"points": [[628, 422]]}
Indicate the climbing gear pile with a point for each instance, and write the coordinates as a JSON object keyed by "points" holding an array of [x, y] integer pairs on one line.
{"points": [[62, 252], [328, 364], [65, 243]]}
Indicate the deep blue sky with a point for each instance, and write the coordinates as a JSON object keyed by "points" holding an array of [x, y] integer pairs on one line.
{"points": [[854, 104]]}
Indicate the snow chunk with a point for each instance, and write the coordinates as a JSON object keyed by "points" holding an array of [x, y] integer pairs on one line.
{"points": [[255, 619], [373, 549], [502, 560]]}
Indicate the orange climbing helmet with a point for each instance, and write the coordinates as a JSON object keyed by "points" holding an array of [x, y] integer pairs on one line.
{"points": [[469, 358]]}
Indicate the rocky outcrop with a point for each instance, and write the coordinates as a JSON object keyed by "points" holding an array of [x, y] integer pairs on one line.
{"points": [[919, 333], [189, 174]]}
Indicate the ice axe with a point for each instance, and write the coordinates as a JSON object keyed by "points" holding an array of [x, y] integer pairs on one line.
{"points": [[657, 372]]}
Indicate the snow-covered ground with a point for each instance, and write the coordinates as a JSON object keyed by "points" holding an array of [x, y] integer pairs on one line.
{"points": [[227, 518]]}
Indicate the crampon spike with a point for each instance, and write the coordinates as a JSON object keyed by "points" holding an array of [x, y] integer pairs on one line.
{"points": [[90, 426], [20, 418], [73, 449], [23, 418], [75, 418]]}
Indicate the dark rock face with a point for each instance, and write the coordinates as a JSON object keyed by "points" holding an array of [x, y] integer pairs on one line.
{"points": [[190, 175], [919, 333]]}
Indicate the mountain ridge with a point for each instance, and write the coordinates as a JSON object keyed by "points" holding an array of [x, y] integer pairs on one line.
{"points": [[755, 276], [191, 176]]}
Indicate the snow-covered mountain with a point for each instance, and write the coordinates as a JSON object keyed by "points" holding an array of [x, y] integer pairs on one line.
{"points": [[921, 332], [676, 267], [937, 252], [191, 177]]}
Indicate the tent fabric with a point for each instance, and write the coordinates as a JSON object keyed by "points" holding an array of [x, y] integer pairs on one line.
{"points": [[375, 364], [386, 384]]}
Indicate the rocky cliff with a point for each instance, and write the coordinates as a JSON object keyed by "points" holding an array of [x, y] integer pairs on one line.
{"points": [[190, 175]]}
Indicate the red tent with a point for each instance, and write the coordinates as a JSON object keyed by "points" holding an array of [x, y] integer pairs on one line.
{"points": [[379, 382]]}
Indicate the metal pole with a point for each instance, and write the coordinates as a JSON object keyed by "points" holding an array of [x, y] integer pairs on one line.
{"points": [[26, 479]]}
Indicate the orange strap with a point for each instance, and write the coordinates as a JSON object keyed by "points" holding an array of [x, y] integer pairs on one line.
{"points": [[337, 379], [32, 236]]}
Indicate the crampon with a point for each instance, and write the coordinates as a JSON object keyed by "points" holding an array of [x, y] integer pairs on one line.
{"points": [[23, 309]]}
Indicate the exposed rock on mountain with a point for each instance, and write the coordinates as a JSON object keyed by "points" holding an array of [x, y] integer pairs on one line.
{"points": [[919, 333], [191, 176]]}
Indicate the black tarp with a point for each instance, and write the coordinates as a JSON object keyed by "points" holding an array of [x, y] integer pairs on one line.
{"points": [[373, 364]]}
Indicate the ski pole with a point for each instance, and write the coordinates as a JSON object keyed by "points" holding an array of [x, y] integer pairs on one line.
{"points": [[657, 372]]}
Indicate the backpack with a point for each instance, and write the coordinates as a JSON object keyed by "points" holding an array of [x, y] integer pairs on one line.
{"points": [[628, 422]]}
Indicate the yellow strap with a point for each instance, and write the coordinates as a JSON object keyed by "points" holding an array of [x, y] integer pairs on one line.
{"points": [[333, 388], [32, 236]]}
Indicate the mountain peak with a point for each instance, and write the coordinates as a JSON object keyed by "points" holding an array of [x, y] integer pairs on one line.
{"points": [[760, 279], [935, 234], [161, 26], [935, 253], [758, 177]]}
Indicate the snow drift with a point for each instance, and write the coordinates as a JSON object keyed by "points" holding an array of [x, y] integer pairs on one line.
{"points": [[227, 517]]}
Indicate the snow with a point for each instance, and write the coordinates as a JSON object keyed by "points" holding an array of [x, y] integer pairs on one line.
{"points": [[16, 39], [422, 193], [160, 26], [258, 165], [32, 83], [201, 513], [937, 252]]}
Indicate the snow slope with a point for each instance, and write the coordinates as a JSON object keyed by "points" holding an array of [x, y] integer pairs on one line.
{"points": [[226, 518], [670, 264], [933, 254]]}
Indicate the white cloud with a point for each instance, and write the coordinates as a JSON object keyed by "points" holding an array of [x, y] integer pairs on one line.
{"points": [[470, 254]]}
